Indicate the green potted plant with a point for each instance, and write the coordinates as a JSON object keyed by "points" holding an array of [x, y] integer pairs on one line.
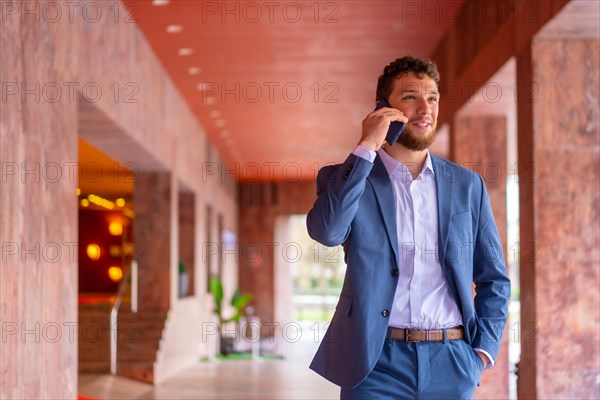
{"points": [[239, 301]]}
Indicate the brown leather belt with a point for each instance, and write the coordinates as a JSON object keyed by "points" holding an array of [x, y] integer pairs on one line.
{"points": [[434, 335]]}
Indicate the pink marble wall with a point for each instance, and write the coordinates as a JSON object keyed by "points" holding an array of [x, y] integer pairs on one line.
{"points": [[559, 175], [38, 214]]}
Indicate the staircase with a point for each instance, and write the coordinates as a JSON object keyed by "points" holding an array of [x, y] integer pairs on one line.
{"points": [[138, 336], [94, 337], [138, 340]]}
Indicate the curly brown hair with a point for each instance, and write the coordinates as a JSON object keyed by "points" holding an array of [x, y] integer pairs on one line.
{"points": [[402, 66]]}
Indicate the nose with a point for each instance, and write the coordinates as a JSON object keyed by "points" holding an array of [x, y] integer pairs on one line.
{"points": [[424, 107]]}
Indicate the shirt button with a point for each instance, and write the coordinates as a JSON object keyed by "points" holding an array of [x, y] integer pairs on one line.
{"points": [[395, 272], [385, 313]]}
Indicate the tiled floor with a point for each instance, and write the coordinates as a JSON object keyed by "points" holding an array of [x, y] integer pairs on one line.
{"points": [[220, 380]]}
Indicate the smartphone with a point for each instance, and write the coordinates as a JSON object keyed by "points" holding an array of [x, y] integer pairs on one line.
{"points": [[396, 127]]}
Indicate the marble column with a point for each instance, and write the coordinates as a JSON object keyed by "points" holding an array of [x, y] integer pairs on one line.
{"points": [[38, 214], [479, 144], [559, 164], [152, 231]]}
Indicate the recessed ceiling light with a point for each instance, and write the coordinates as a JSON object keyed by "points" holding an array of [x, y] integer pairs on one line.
{"points": [[210, 100], [185, 51], [160, 2], [220, 123], [214, 113], [194, 70], [174, 28]]}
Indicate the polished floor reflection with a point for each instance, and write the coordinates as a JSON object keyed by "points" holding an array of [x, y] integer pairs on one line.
{"points": [[219, 380]]}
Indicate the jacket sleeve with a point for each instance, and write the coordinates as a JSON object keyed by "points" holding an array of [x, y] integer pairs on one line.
{"points": [[339, 189], [492, 285]]}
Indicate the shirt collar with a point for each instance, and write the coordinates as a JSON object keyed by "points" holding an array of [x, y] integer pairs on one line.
{"points": [[391, 164]]}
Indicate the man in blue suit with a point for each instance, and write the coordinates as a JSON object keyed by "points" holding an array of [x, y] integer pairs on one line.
{"points": [[417, 232]]}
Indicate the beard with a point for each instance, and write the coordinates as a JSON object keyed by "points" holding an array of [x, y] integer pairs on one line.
{"points": [[415, 142]]}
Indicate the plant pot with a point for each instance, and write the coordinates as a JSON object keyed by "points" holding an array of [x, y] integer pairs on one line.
{"points": [[226, 345]]}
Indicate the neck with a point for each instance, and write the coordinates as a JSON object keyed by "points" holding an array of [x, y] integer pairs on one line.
{"points": [[412, 160]]}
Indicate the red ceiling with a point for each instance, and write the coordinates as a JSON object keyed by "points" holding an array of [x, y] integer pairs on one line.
{"points": [[286, 84]]}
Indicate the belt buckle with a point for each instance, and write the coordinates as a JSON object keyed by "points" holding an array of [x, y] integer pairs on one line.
{"points": [[407, 337]]}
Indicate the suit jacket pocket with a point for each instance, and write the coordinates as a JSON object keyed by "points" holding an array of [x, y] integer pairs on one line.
{"points": [[461, 216], [461, 226]]}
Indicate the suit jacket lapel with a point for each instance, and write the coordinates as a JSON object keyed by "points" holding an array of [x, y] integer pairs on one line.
{"points": [[444, 176], [380, 181]]}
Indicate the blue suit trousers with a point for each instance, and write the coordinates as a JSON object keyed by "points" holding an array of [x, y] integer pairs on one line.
{"points": [[426, 370]]}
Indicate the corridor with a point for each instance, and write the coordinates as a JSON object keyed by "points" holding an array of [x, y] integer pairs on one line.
{"points": [[219, 380]]}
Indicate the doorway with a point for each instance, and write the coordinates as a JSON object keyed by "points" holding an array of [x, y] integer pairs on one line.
{"points": [[308, 282]]}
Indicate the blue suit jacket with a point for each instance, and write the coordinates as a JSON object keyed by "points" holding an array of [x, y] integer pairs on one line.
{"points": [[355, 207]]}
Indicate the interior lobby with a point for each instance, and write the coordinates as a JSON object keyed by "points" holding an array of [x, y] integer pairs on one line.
{"points": [[159, 157]]}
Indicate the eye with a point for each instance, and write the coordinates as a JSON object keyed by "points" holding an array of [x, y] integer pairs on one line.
{"points": [[434, 99], [409, 97]]}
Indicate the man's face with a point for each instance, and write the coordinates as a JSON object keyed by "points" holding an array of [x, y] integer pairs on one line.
{"points": [[418, 98]]}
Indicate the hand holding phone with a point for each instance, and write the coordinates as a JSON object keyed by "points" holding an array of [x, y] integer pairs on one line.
{"points": [[395, 128]]}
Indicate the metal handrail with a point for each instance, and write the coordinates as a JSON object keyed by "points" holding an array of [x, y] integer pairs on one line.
{"points": [[130, 272]]}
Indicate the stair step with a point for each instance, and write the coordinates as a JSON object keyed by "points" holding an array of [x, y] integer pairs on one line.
{"points": [[138, 339], [141, 318], [95, 307], [93, 345], [131, 334], [135, 358], [94, 367], [94, 311], [142, 351], [94, 335], [143, 371], [135, 332], [141, 323]]}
